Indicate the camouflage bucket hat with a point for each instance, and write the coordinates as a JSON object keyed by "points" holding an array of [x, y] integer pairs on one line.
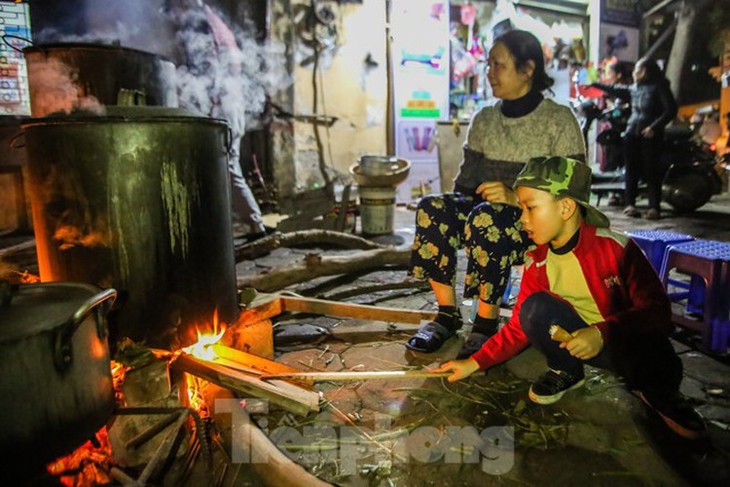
{"points": [[563, 177]]}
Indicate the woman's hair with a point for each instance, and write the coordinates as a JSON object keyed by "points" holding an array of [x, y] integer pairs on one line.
{"points": [[524, 47], [622, 70], [654, 74]]}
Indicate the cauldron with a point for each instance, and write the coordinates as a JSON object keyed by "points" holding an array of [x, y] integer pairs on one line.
{"points": [[138, 200]]}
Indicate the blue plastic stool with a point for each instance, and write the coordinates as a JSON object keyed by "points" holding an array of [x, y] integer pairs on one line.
{"points": [[710, 261], [654, 243]]}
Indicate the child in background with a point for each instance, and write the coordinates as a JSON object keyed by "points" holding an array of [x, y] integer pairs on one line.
{"points": [[596, 284]]}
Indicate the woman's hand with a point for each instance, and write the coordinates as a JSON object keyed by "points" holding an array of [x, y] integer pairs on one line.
{"points": [[497, 192], [461, 369], [647, 133], [586, 343]]}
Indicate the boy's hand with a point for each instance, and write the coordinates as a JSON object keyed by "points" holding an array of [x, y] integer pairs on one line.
{"points": [[496, 192], [461, 369], [586, 343]]}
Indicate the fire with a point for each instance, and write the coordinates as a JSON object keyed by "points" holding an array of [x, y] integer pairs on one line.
{"points": [[202, 348], [196, 397], [87, 465]]}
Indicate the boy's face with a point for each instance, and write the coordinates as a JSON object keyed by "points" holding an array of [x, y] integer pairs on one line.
{"points": [[544, 217]]}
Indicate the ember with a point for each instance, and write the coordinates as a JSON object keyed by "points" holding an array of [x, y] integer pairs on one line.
{"points": [[90, 464]]}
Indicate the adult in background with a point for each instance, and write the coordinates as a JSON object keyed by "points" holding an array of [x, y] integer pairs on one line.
{"points": [[652, 108], [212, 80], [481, 214]]}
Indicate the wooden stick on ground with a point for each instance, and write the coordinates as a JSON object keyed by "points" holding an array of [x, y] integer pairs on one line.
{"points": [[271, 465], [364, 375], [316, 266], [265, 245], [351, 310]]}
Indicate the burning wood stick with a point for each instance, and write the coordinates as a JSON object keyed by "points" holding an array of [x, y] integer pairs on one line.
{"points": [[365, 375], [559, 334], [253, 364], [290, 397]]}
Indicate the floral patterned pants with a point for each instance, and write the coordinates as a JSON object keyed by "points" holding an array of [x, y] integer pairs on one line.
{"points": [[491, 234]]}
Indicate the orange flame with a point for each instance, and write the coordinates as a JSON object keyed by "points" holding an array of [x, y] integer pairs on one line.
{"points": [[202, 348], [88, 465], [196, 397]]}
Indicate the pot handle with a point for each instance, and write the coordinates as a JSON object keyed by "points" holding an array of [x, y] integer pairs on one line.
{"points": [[14, 144], [228, 142], [62, 351]]}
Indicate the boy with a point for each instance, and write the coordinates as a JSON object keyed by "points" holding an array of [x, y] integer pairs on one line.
{"points": [[596, 284]]}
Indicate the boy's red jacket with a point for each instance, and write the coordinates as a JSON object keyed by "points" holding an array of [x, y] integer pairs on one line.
{"points": [[625, 287]]}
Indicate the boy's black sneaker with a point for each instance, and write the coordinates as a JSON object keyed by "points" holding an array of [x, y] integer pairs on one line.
{"points": [[677, 414], [551, 386]]}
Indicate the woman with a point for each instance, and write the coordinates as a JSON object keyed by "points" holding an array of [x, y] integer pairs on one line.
{"points": [[482, 214], [652, 107], [610, 148], [612, 157]]}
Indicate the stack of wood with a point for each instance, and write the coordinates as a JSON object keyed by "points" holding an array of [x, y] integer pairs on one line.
{"points": [[242, 373]]}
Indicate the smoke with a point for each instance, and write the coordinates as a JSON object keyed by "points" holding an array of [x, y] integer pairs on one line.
{"points": [[54, 89], [226, 73], [223, 71], [136, 24], [115, 36]]}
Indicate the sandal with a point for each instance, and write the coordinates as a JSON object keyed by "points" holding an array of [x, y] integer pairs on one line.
{"points": [[429, 338], [473, 342], [632, 212]]}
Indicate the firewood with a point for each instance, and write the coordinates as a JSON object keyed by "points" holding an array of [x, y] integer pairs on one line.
{"points": [[230, 357], [374, 288], [352, 310], [264, 246], [364, 375], [327, 266], [288, 396], [271, 466]]}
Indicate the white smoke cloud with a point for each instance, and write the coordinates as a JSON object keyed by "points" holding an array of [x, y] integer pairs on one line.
{"points": [[229, 82], [120, 34], [54, 88]]}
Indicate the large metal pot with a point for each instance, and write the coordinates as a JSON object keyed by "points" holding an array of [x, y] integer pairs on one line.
{"points": [[65, 75], [56, 385], [138, 200]]}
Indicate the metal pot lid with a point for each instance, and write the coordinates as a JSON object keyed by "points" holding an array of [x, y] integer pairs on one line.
{"points": [[118, 113], [35, 308]]}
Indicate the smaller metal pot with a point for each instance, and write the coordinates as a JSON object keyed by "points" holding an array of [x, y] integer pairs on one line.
{"points": [[63, 76], [56, 385]]}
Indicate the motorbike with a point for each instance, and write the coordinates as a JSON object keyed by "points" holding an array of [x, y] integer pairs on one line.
{"points": [[693, 172]]}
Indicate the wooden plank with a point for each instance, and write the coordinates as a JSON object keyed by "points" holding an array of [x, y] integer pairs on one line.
{"points": [[263, 311], [288, 396], [364, 375], [350, 310], [246, 362]]}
